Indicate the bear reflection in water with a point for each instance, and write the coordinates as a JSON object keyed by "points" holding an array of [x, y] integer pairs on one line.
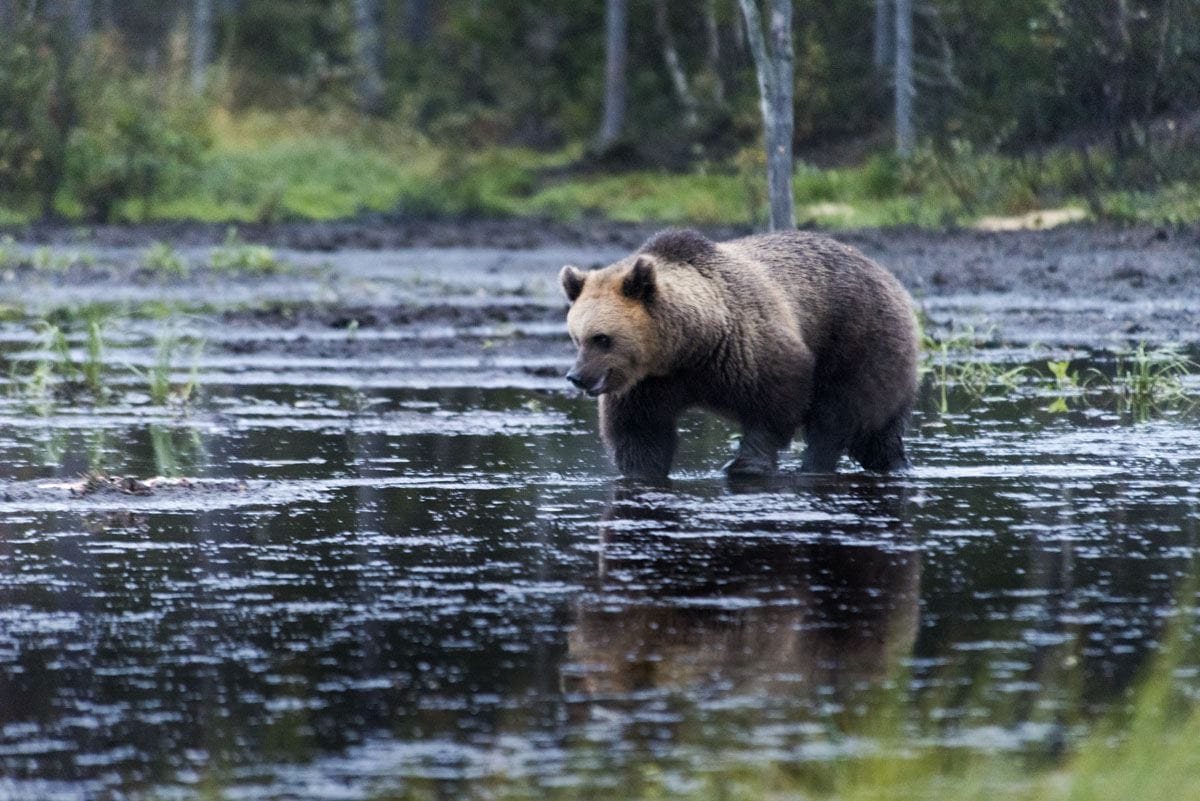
{"points": [[827, 604]]}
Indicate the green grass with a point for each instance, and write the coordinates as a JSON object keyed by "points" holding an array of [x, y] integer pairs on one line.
{"points": [[60, 376], [236, 256], [162, 258], [302, 165]]}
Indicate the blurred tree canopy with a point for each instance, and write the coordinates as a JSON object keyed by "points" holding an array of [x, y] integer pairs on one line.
{"points": [[1008, 75], [1004, 72]]}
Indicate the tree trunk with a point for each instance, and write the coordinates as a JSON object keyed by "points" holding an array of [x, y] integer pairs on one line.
{"points": [[8, 21], [679, 79], [713, 35], [613, 121], [885, 28], [202, 42], [906, 127], [417, 22], [81, 18], [367, 56], [774, 68]]}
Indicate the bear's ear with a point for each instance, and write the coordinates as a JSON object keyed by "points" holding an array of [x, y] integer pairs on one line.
{"points": [[639, 284], [572, 279]]}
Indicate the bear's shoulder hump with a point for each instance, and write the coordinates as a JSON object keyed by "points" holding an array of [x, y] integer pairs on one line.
{"points": [[680, 245]]}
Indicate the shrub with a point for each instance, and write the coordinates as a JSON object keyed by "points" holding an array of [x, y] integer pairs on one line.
{"points": [[132, 145], [36, 111]]}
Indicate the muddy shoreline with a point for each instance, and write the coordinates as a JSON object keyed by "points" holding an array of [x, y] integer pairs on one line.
{"points": [[1075, 284], [1083, 260]]}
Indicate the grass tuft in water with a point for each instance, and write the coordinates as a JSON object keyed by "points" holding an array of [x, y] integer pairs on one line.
{"points": [[60, 374], [162, 390], [1147, 380], [238, 256], [162, 258], [956, 360]]}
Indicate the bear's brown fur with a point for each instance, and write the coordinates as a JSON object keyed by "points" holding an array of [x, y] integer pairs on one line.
{"points": [[776, 332]]}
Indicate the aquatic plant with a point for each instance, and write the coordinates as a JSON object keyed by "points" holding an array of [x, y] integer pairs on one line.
{"points": [[176, 451], [49, 374], [238, 256], [956, 360], [47, 260], [93, 363], [59, 374], [1149, 379], [162, 390], [1067, 382]]}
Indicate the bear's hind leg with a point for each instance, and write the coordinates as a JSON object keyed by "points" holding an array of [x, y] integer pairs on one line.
{"points": [[757, 453], [883, 450], [825, 434], [822, 451]]}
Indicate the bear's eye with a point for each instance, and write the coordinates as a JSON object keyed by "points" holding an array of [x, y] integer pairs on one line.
{"points": [[603, 341]]}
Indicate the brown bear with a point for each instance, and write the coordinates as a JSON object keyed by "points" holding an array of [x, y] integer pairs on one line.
{"points": [[775, 332]]}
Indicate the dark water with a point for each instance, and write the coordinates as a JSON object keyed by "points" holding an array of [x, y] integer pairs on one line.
{"points": [[425, 574]]}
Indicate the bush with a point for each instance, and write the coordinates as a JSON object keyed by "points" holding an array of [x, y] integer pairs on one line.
{"points": [[130, 146], [36, 110]]}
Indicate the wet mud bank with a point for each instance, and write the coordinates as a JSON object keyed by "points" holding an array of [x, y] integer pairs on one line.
{"points": [[1101, 284]]}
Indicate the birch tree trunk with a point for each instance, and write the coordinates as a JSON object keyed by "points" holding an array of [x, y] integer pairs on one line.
{"points": [[906, 127], [367, 56], [712, 34], [613, 120], [201, 43], [885, 29], [81, 18], [417, 22], [679, 79], [8, 21], [773, 63]]}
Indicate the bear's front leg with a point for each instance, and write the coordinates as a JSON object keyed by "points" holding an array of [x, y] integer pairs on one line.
{"points": [[639, 432], [758, 452]]}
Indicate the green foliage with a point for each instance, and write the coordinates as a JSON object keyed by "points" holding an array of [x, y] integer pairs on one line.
{"points": [[57, 374], [485, 99], [163, 390], [36, 111], [1149, 379], [287, 52], [162, 258], [958, 361], [63, 373], [131, 146], [10, 255], [236, 256]]}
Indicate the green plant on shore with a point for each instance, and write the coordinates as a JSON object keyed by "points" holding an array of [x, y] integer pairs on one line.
{"points": [[10, 255], [238, 256], [162, 258]]}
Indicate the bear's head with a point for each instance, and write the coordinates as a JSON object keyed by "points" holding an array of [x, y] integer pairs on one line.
{"points": [[611, 324]]}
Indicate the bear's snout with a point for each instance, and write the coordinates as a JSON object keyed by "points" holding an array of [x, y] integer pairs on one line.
{"points": [[591, 384]]}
